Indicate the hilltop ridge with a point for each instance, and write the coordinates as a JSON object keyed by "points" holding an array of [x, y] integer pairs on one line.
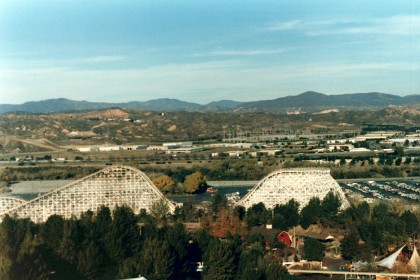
{"points": [[309, 101]]}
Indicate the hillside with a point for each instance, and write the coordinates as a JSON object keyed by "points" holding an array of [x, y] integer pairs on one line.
{"points": [[40, 132], [67, 105], [313, 101]]}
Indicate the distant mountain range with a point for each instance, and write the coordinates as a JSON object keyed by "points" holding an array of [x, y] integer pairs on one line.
{"points": [[309, 101]]}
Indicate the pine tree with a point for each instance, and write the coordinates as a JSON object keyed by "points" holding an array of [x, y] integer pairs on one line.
{"points": [[68, 248], [350, 244], [412, 224], [30, 262], [275, 271], [51, 231], [218, 261], [248, 268], [178, 241], [124, 235], [311, 213], [90, 261], [313, 249], [156, 260]]}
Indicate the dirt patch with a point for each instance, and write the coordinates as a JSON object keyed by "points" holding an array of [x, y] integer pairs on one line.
{"points": [[110, 113], [172, 128]]}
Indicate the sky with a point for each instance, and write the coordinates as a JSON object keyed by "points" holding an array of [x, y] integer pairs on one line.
{"points": [[203, 51]]}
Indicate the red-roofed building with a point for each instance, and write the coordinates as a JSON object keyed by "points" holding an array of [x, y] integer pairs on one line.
{"points": [[284, 238]]}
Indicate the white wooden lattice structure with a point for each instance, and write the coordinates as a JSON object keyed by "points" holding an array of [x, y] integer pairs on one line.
{"points": [[301, 184], [9, 202], [111, 187]]}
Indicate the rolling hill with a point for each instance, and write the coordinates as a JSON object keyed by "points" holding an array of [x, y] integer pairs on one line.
{"points": [[309, 101]]}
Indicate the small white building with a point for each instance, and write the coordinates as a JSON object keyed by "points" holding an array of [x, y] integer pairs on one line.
{"points": [[341, 141], [157, 148], [214, 155], [178, 145], [359, 150], [88, 149], [340, 147], [236, 153], [110, 148], [184, 150]]}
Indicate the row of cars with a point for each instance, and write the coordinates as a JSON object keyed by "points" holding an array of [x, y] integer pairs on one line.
{"points": [[386, 190]]}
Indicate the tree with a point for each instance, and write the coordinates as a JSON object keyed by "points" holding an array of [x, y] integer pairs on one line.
{"points": [[124, 234], [381, 160], [52, 231], [289, 212], [225, 222], [178, 240], [91, 261], [219, 261], [279, 222], [240, 212], [330, 206], [195, 182], [159, 210], [350, 244], [103, 221], [248, 268], [218, 202], [389, 160], [164, 183], [157, 260], [275, 271], [363, 211], [412, 224], [188, 212], [30, 262], [17, 245], [311, 212], [257, 215], [313, 249]]}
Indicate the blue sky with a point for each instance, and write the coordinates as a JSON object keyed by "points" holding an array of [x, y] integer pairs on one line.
{"points": [[202, 51]]}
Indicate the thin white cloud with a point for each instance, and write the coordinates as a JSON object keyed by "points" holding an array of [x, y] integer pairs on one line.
{"points": [[230, 52], [68, 62], [247, 52], [286, 25], [400, 25], [101, 59], [397, 25]]}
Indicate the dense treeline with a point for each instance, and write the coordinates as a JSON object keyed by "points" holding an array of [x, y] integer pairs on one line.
{"points": [[155, 245], [45, 173], [229, 169], [237, 169], [121, 245], [371, 231]]}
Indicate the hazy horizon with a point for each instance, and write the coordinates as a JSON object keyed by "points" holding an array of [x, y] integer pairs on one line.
{"points": [[121, 51], [184, 100]]}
